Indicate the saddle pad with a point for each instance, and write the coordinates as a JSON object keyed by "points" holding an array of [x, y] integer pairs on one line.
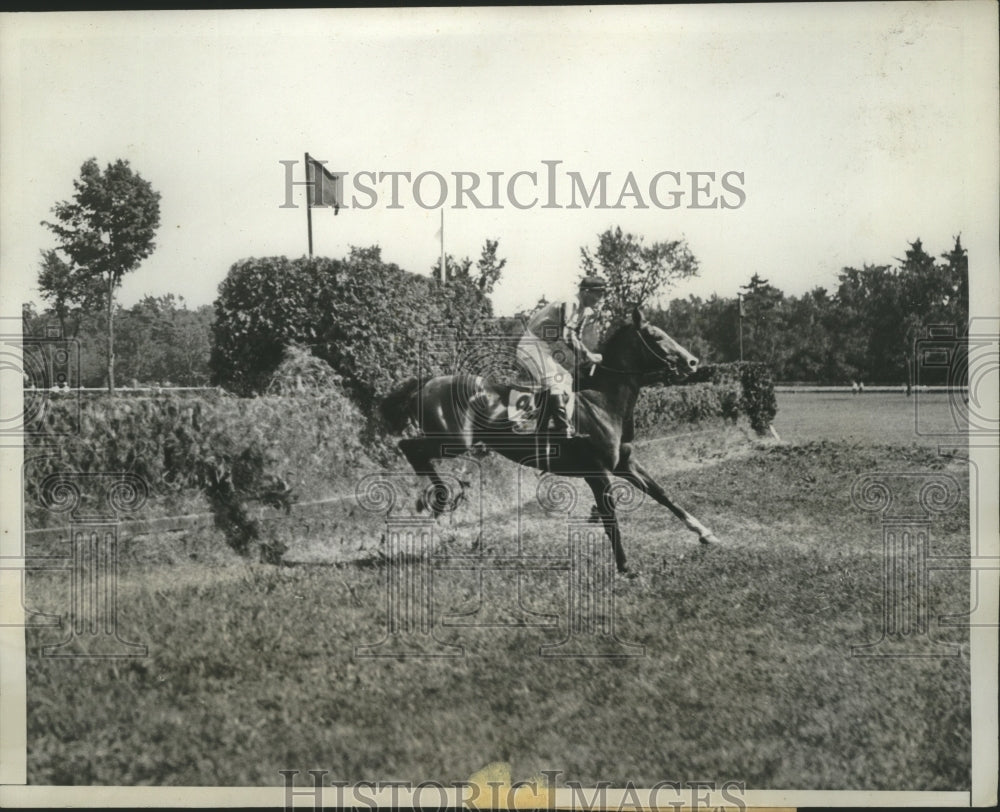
{"points": [[522, 410]]}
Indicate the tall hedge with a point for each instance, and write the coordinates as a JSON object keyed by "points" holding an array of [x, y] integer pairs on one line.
{"points": [[368, 319], [714, 391], [756, 381], [225, 450]]}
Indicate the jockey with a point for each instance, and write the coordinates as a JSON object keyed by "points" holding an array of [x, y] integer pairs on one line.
{"points": [[550, 345]]}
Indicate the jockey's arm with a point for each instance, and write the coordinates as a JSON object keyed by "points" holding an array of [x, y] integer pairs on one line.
{"points": [[573, 340]]}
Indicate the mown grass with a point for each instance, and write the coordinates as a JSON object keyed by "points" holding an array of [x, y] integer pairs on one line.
{"points": [[747, 673]]}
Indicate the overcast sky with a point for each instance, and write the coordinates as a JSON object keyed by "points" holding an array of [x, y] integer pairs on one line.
{"points": [[854, 129]]}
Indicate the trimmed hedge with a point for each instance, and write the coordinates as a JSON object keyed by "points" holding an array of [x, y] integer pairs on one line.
{"points": [[225, 450], [669, 407], [756, 381], [372, 322], [714, 391], [307, 442]]}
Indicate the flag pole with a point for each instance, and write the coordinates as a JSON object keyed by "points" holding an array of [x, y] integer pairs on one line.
{"points": [[309, 217], [444, 270]]}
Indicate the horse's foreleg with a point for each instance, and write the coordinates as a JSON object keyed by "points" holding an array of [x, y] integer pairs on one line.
{"points": [[632, 471], [601, 486], [420, 452]]}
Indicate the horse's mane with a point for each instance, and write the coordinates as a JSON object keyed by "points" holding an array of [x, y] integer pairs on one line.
{"points": [[610, 341], [613, 336]]}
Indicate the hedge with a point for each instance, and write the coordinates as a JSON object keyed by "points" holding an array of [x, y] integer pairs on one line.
{"points": [[371, 321], [714, 391], [307, 440], [218, 448]]}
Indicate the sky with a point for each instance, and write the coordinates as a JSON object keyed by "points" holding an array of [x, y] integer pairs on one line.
{"points": [[849, 130]]}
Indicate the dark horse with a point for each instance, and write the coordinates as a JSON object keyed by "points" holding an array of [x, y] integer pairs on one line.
{"points": [[459, 413]]}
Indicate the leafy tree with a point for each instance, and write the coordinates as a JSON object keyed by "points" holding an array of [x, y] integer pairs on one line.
{"points": [[721, 318], [636, 273], [69, 294], [454, 269], [957, 272], [685, 320], [489, 267], [31, 320], [163, 341], [763, 338], [105, 232], [931, 293], [809, 334], [858, 299]]}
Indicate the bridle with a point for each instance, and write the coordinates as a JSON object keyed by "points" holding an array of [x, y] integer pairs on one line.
{"points": [[665, 361]]}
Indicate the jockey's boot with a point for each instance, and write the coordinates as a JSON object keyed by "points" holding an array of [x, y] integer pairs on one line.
{"points": [[556, 409]]}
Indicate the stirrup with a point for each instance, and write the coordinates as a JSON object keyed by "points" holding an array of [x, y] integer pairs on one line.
{"points": [[568, 433]]}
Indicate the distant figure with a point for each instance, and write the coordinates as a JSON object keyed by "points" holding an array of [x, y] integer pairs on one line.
{"points": [[861, 387], [909, 389], [854, 387]]}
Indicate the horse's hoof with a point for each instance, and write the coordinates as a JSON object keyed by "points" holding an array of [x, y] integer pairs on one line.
{"points": [[709, 538], [628, 573]]}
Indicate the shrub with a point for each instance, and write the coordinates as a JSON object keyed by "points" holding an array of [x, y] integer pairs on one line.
{"points": [[756, 382], [668, 408], [301, 372], [229, 451], [714, 391], [758, 400], [369, 320]]}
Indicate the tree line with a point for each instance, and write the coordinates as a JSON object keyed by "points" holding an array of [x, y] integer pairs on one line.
{"points": [[864, 329], [159, 341], [367, 317]]}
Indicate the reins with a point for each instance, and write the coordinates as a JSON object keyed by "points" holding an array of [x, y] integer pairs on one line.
{"points": [[663, 360]]}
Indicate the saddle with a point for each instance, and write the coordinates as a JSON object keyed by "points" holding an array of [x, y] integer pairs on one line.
{"points": [[524, 404]]}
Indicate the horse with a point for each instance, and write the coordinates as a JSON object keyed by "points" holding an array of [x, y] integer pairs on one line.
{"points": [[464, 413]]}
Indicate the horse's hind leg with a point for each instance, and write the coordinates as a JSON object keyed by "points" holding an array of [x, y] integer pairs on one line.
{"points": [[601, 486], [630, 470], [420, 453]]}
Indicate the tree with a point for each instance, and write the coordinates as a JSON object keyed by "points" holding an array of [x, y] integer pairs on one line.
{"points": [[685, 321], [489, 266], [161, 341], [454, 268], [763, 320], [957, 272], [105, 232], [636, 273], [869, 335], [932, 293], [68, 293]]}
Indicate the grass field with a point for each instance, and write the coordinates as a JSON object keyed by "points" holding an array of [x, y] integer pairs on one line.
{"points": [[929, 419], [747, 673]]}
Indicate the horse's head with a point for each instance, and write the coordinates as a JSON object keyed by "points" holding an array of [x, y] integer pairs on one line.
{"points": [[651, 352]]}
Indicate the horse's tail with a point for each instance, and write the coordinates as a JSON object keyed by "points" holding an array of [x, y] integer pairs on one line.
{"points": [[399, 406]]}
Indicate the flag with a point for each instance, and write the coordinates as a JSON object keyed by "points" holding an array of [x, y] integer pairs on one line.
{"points": [[326, 189], [743, 310]]}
